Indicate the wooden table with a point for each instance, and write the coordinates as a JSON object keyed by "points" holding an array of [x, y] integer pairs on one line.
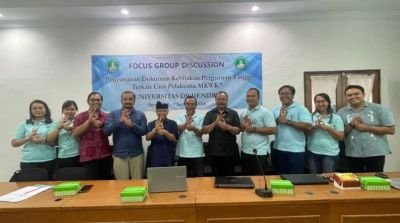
{"points": [[310, 204], [204, 203], [101, 204]]}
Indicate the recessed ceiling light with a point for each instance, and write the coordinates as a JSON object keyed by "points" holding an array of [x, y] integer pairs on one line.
{"points": [[255, 8], [1, 15], [124, 12]]}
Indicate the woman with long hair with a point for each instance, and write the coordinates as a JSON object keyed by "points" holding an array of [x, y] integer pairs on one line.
{"points": [[32, 135], [323, 138]]}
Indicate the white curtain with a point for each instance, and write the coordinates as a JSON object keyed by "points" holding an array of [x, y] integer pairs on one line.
{"points": [[365, 80], [324, 84]]}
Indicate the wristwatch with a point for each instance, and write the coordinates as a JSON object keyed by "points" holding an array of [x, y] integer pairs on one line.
{"points": [[254, 129], [289, 122], [351, 125]]}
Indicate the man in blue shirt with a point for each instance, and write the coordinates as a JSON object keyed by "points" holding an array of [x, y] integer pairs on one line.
{"points": [[366, 127], [257, 123], [292, 120], [190, 144], [127, 125]]}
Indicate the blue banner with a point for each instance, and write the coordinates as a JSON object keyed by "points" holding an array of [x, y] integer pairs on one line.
{"points": [[170, 78]]}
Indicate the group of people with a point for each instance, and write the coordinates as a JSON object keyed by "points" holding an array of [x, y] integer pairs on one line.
{"points": [[301, 139]]}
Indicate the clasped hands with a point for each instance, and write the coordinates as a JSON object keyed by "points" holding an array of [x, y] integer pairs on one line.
{"points": [[125, 118], [94, 118], [246, 123], [358, 124], [34, 137], [189, 124], [220, 121], [282, 116], [159, 128]]}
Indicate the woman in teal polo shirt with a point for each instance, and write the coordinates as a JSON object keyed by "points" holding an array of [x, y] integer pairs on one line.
{"points": [[32, 134], [324, 137], [68, 145]]}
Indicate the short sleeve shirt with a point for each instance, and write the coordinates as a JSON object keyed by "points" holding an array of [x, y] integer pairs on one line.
{"points": [[221, 142], [68, 144], [367, 144], [260, 117], [93, 144], [288, 138], [320, 141], [161, 151], [33, 152], [189, 144]]}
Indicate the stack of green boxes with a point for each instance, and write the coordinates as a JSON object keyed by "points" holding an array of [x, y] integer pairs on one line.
{"points": [[67, 189], [134, 194], [374, 183], [282, 187]]}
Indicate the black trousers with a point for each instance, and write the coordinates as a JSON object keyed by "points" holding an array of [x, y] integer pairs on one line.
{"points": [[194, 166], [48, 165], [222, 165], [250, 164], [367, 164], [68, 162], [100, 169]]}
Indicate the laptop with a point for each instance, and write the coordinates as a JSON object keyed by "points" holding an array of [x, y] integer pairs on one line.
{"points": [[166, 179], [233, 182], [395, 183], [304, 179]]}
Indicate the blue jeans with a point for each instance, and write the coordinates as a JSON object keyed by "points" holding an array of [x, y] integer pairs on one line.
{"points": [[321, 163], [287, 162]]}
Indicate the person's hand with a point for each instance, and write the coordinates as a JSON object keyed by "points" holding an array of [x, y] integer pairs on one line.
{"points": [[36, 138], [362, 127], [64, 124], [189, 123], [223, 125], [33, 136], [220, 118], [321, 125], [356, 120], [247, 124], [93, 116], [125, 118], [162, 132], [282, 116]]}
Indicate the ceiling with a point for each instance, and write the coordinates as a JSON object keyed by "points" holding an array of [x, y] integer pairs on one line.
{"points": [[78, 12]]}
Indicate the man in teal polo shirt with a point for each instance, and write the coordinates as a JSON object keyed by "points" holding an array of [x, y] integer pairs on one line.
{"points": [[190, 144], [257, 123], [366, 127], [292, 120]]}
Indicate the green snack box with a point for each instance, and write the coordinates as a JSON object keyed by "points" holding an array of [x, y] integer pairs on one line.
{"points": [[67, 189], [282, 187], [133, 194], [374, 183]]}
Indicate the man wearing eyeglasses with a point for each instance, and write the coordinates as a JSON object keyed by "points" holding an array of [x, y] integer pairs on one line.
{"points": [[94, 148]]}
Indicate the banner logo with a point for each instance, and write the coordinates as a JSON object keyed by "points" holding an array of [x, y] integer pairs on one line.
{"points": [[113, 65], [241, 63]]}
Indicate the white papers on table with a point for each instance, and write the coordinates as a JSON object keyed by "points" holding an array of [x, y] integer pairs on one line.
{"points": [[24, 193]]}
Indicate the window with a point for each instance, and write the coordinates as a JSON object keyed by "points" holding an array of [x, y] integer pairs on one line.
{"points": [[333, 83]]}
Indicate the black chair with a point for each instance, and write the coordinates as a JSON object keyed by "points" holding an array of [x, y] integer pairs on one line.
{"points": [[31, 174], [71, 173]]}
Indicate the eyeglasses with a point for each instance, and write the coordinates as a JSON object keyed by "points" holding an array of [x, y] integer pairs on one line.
{"points": [[95, 99]]}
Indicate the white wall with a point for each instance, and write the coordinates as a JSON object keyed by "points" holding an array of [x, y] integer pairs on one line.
{"points": [[54, 63]]}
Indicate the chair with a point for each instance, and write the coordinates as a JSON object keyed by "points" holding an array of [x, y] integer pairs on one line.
{"points": [[31, 174], [71, 173]]}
